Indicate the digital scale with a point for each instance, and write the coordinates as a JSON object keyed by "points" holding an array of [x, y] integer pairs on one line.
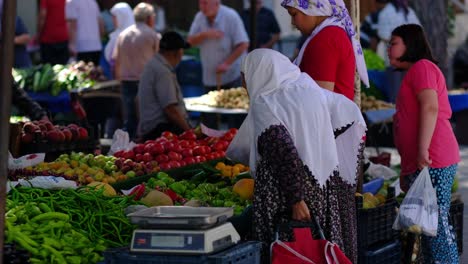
{"points": [[182, 230]]}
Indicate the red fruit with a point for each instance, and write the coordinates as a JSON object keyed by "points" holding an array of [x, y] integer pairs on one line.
{"points": [[174, 164], [148, 141], [43, 127], [174, 156], [182, 163], [177, 148], [210, 156], [29, 127], [61, 136], [83, 133], [139, 149], [199, 159], [221, 154], [188, 135], [184, 143], [157, 149], [228, 136], [27, 138], [189, 160], [75, 133], [168, 145], [233, 130], [138, 157], [207, 149], [169, 135], [73, 126], [49, 126], [165, 166], [68, 134], [53, 136], [118, 162], [199, 150], [129, 154], [160, 140], [187, 152], [119, 154], [162, 158], [147, 157]]}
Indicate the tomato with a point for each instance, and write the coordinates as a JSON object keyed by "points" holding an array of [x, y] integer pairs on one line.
{"points": [[189, 160], [177, 148], [165, 166], [147, 157], [168, 145], [188, 135], [233, 130], [183, 163], [187, 152], [148, 147], [174, 164], [140, 148], [129, 154], [207, 149], [220, 145], [199, 150], [184, 143], [199, 159], [221, 154], [168, 135], [138, 157], [160, 140], [162, 158], [228, 136], [211, 156], [157, 149], [174, 156], [119, 154]]}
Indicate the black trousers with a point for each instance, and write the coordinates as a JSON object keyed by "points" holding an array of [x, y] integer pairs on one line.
{"points": [[55, 53], [91, 56]]}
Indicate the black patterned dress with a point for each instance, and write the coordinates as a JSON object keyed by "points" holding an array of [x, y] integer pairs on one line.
{"points": [[282, 180]]}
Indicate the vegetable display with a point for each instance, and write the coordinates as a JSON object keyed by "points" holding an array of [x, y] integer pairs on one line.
{"points": [[229, 98]]}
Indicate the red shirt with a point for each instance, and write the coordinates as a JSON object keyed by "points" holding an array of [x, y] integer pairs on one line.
{"points": [[55, 26], [329, 57], [443, 150]]}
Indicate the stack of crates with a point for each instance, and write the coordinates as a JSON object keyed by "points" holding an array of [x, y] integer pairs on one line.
{"points": [[377, 241], [244, 253], [189, 75]]}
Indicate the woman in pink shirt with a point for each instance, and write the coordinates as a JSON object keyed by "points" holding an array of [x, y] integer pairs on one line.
{"points": [[423, 134]]}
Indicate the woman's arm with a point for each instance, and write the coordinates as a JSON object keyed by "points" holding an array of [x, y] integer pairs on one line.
{"points": [[428, 109]]}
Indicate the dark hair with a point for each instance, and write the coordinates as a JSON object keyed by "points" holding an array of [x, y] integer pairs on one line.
{"points": [[415, 40]]}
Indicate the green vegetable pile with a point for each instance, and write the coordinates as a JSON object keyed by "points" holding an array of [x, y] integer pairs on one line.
{"points": [[373, 61], [66, 226], [57, 78]]}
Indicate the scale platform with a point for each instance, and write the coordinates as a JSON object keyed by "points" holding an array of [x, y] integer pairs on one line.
{"points": [[184, 241]]}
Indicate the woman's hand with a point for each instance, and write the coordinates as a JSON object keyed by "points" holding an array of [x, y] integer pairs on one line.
{"points": [[300, 211], [423, 159]]}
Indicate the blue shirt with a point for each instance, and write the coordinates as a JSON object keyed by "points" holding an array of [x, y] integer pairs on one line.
{"points": [[213, 52], [22, 59]]}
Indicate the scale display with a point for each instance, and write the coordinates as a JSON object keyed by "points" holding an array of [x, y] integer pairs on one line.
{"points": [[184, 241]]}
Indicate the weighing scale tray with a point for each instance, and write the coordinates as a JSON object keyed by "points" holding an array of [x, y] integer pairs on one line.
{"points": [[180, 217]]}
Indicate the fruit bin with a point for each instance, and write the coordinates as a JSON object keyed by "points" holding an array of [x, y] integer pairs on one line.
{"points": [[389, 253], [374, 225], [245, 253]]}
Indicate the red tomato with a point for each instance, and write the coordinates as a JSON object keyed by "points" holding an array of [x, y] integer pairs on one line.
{"points": [[138, 157], [162, 158], [199, 150], [165, 166], [129, 154], [168, 135], [211, 156], [187, 152], [174, 156], [188, 135], [147, 157], [174, 164], [233, 130], [160, 140], [199, 159], [189, 160], [184, 143], [182, 163], [228, 136], [148, 141], [157, 149], [207, 149], [221, 154], [140, 148], [168, 145], [177, 148], [220, 145], [148, 147], [119, 154]]}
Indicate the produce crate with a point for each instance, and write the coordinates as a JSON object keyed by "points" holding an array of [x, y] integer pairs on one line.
{"points": [[456, 220], [244, 253], [375, 224], [389, 253]]}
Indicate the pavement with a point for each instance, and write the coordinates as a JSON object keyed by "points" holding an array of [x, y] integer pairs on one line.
{"points": [[463, 187]]}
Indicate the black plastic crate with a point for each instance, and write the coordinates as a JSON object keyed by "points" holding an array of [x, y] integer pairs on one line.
{"points": [[244, 253], [389, 253], [374, 225], [456, 220]]}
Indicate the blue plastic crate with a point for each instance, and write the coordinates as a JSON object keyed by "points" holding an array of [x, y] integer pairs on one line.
{"points": [[244, 253], [189, 72]]}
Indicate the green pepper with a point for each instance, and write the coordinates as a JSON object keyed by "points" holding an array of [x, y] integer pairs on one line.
{"points": [[57, 255], [229, 204], [162, 175], [178, 187], [50, 216], [217, 203]]}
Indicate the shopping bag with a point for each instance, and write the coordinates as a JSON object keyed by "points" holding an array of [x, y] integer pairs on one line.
{"points": [[419, 211], [306, 250]]}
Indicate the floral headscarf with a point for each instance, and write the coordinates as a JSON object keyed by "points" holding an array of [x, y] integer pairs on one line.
{"points": [[338, 16]]}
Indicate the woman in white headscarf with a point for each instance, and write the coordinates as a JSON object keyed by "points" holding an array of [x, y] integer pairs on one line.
{"points": [[332, 52], [303, 144], [123, 17]]}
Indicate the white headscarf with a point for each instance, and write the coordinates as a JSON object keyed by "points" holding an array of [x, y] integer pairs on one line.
{"points": [[337, 16], [281, 95], [124, 16]]}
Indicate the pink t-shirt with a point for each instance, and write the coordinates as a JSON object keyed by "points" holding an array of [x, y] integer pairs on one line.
{"points": [[443, 149]]}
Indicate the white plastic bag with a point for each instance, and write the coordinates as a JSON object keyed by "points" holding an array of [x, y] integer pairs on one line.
{"points": [[25, 161], [380, 171], [419, 210], [120, 141], [48, 182]]}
